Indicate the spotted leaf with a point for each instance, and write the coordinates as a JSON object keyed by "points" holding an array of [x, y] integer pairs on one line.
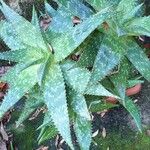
{"points": [[55, 99]]}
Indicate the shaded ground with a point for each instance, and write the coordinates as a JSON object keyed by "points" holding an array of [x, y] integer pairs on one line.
{"points": [[121, 132]]}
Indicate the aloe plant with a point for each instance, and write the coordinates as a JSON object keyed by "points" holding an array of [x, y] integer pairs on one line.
{"points": [[45, 74]]}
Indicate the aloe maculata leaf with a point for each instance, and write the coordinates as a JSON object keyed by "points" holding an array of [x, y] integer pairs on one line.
{"points": [[72, 39], [24, 81], [98, 106], [82, 129], [9, 36], [133, 13], [108, 57], [100, 4], [79, 105], [11, 74], [61, 21], [42, 72], [30, 105], [98, 90], [89, 49], [138, 26], [139, 59], [47, 133], [35, 20], [48, 129], [21, 55], [133, 110], [82, 123], [77, 78], [77, 8], [50, 10], [56, 103], [125, 9], [32, 36], [120, 79], [46, 121]]}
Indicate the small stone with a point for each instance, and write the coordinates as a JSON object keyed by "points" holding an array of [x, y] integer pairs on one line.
{"points": [[148, 132], [95, 133], [104, 133]]}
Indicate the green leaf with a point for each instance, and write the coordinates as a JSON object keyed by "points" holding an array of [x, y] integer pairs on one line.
{"points": [[120, 79], [139, 59], [9, 36], [61, 21], [107, 58], [30, 105], [138, 26], [127, 8], [47, 121], [100, 4], [24, 29], [77, 78], [133, 110], [48, 129], [72, 39], [133, 13], [56, 103], [47, 133], [89, 49], [82, 124], [24, 81], [79, 105], [43, 70], [82, 129], [77, 8], [50, 10], [21, 55], [98, 106], [11, 74], [98, 90], [35, 20]]}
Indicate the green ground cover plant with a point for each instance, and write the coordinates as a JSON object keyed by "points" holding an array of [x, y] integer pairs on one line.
{"points": [[45, 74]]}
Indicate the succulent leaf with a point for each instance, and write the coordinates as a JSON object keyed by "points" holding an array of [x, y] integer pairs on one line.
{"points": [[9, 36], [82, 129], [120, 79], [35, 20], [126, 9], [25, 81], [30, 105], [138, 26], [72, 39], [139, 59], [31, 37], [108, 57], [98, 90], [100, 4], [99, 106], [76, 77], [82, 124], [133, 110], [48, 129], [77, 8], [47, 133], [55, 99], [89, 49], [21, 55], [79, 105]]}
